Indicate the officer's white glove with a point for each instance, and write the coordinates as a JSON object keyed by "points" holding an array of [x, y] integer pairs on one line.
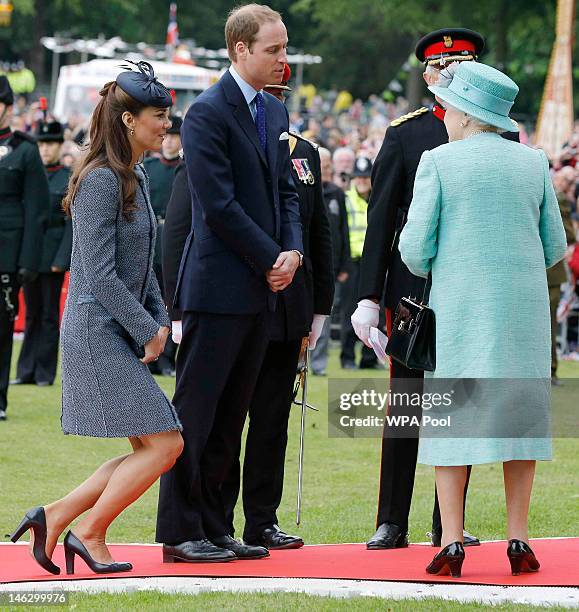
{"points": [[176, 331], [316, 331], [365, 316]]}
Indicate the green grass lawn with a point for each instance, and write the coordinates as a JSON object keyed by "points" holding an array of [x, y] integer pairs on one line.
{"points": [[266, 602], [39, 464]]}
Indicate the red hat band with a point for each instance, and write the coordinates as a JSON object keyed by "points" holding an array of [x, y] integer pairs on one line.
{"points": [[455, 46]]}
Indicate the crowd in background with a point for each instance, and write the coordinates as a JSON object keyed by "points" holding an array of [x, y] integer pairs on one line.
{"points": [[350, 130]]}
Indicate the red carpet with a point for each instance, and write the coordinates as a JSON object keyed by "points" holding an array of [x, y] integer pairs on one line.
{"points": [[486, 564]]}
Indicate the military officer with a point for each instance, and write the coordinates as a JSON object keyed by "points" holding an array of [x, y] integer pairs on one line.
{"points": [[39, 355], [382, 272], [23, 211], [301, 310], [161, 172]]}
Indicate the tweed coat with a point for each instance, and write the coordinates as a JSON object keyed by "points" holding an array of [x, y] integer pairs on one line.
{"points": [[485, 221], [113, 306]]}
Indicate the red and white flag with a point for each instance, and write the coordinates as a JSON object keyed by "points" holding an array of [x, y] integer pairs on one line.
{"points": [[172, 29]]}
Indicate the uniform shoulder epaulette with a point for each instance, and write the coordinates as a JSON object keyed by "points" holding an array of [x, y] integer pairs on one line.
{"points": [[310, 142], [24, 136], [408, 116]]}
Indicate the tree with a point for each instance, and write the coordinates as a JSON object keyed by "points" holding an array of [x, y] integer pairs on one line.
{"points": [[364, 43], [351, 36]]}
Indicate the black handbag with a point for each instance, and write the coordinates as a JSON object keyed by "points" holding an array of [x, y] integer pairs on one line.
{"points": [[412, 340]]}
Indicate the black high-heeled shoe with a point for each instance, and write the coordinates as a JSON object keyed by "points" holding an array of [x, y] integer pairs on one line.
{"points": [[448, 560], [73, 546], [35, 519], [521, 557]]}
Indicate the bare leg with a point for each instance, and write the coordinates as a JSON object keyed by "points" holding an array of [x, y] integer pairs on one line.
{"points": [[518, 477], [62, 512], [128, 482], [450, 481]]}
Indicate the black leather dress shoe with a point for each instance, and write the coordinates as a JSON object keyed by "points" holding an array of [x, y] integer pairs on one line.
{"points": [[196, 551], [274, 538], [388, 535], [242, 551], [469, 539]]}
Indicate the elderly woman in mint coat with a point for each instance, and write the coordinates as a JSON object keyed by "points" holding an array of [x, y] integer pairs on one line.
{"points": [[484, 220]]}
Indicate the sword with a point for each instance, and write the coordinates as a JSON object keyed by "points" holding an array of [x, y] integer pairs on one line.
{"points": [[303, 383]]}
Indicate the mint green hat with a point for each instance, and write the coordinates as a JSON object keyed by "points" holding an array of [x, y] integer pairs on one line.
{"points": [[482, 92]]}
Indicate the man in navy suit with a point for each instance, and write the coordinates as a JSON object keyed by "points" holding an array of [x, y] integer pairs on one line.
{"points": [[247, 247]]}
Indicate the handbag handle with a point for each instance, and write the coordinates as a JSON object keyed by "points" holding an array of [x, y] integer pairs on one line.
{"points": [[427, 287]]}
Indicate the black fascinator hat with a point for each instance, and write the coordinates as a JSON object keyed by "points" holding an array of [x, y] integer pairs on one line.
{"points": [[143, 85]]}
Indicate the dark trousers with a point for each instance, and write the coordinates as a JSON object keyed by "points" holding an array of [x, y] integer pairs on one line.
{"points": [[265, 447], [554, 299], [217, 367], [398, 460], [166, 359], [9, 288], [39, 354], [349, 302]]}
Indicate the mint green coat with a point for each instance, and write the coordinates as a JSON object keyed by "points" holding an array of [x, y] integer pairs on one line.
{"points": [[485, 221]]}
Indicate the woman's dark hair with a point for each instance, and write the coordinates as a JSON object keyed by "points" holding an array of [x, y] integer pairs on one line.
{"points": [[109, 146]]}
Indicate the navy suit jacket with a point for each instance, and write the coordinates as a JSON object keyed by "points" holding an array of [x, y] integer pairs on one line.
{"points": [[245, 209]]}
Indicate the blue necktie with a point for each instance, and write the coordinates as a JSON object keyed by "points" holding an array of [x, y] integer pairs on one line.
{"points": [[260, 120]]}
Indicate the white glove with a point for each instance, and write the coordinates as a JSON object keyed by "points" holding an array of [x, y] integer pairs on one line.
{"points": [[316, 331], [176, 331], [365, 316]]}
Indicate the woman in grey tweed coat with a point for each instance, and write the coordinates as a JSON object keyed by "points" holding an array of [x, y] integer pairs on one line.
{"points": [[114, 323]]}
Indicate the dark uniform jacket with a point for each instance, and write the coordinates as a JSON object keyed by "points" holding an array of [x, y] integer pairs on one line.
{"points": [[335, 200], [177, 228], [23, 202], [393, 176], [57, 242], [161, 173], [311, 291]]}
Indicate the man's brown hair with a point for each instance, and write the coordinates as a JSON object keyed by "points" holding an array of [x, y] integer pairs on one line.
{"points": [[243, 24]]}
